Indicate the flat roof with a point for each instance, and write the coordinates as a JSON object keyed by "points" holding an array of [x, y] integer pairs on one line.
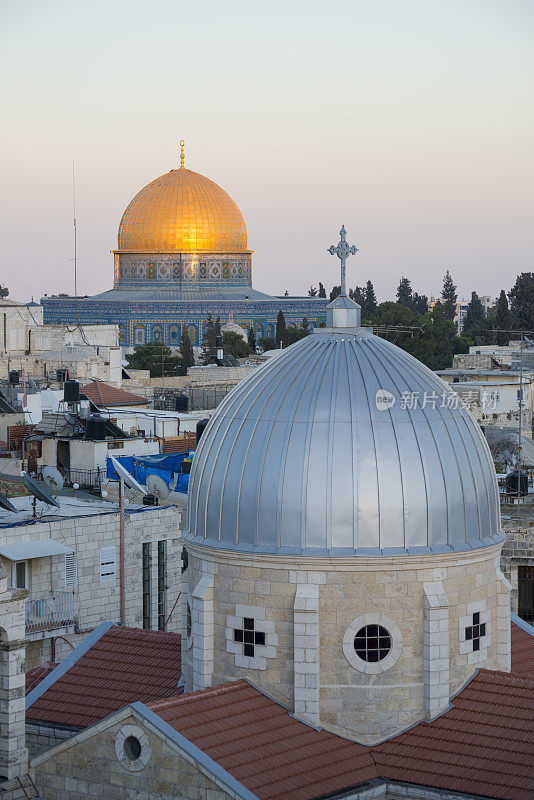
{"points": [[76, 504]]}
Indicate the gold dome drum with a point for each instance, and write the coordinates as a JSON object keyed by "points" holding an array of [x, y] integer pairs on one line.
{"points": [[185, 212]]}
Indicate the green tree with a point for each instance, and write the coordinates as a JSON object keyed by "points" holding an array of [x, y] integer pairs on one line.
{"points": [[305, 327], [312, 291], [209, 339], [358, 295], [186, 352], [251, 338], [4, 291], [156, 357], [474, 315], [419, 303], [266, 343], [235, 344], [449, 297], [322, 290], [370, 304], [500, 319], [522, 302], [280, 333], [336, 291], [404, 293]]}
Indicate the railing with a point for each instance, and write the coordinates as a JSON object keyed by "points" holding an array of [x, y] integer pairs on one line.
{"points": [[84, 477], [49, 613]]}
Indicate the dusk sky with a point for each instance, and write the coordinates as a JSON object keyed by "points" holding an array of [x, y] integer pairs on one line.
{"points": [[409, 121]]}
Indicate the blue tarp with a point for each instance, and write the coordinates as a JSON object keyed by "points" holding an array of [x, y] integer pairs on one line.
{"points": [[165, 467]]}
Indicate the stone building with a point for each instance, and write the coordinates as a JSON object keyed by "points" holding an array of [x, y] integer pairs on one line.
{"points": [[68, 564], [344, 546], [182, 255]]}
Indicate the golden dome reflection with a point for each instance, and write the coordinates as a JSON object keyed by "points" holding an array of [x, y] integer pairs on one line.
{"points": [[185, 212]]}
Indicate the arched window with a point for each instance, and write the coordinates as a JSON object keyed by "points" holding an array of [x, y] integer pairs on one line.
{"points": [[192, 333], [122, 334], [157, 333], [139, 334], [174, 335]]}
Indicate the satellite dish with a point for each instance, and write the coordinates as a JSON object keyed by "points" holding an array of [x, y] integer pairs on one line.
{"points": [[39, 489], [157, 486], [128, 479], [4, 503], [53, 478]]}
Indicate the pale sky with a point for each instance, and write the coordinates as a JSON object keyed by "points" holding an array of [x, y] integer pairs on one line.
{"points": [[409, 121]]}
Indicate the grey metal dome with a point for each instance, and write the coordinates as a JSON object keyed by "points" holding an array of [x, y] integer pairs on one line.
{"points": [[319, 452]]}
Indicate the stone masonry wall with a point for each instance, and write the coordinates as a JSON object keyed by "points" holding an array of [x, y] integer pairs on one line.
{"points": [[90, 769], [518, 550], [96, 600], [367, 707]]}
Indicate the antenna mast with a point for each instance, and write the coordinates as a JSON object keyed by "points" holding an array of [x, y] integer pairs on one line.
{"points": [[75, 248]]}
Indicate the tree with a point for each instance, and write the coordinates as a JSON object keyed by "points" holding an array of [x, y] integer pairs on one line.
{"points": [[235, 344], [358, 295], [419, 303], [312, 291], [293, 335], [370, 305], [500, 319], [251, 338], [449, 297], [280, 333], [4, 292], [336, 291], [322, 290], [209, 339], [286, 293], [156, 357], [186, 352], [474, 314], [305, 327], [266, 343], [404, 293], [522, 302]]}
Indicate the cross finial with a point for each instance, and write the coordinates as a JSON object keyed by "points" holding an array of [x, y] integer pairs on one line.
{"points": [[343, 250], [182, 157]]}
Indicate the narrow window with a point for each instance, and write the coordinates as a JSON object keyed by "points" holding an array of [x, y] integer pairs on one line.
{"points": [[107, 564], [525, 591], [19, 575], [71, 570], [162, 583], [146, 585]]}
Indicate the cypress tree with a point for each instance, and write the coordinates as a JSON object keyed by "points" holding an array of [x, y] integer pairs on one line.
{"points": [[251, 338], [186, 352], [280, 333], [404, 293], [449, 297], [474, 315], [322, 290], [522, 302], [370, 305], [502, 320]]}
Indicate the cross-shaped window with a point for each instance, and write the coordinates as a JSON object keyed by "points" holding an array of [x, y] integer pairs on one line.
{"points": [[249, 637], [474, 632]]}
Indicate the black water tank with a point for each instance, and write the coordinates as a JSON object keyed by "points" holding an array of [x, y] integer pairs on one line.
{"points": [[62, 375], [96, 428], [181, 403], [71, 391], [201, 426], [517, 484], [14, 377]]}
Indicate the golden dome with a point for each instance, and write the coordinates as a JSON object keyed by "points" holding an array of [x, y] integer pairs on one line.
{"points": [[185, 212]]}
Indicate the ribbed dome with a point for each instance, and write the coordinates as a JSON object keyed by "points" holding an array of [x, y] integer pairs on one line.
{"points": [[299, 458], [185, 212]]}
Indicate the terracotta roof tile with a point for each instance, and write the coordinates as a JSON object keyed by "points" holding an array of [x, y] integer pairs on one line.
{"points": [[261, 745], [35, 676], [102, 394], [124, 665], [522, 652]]}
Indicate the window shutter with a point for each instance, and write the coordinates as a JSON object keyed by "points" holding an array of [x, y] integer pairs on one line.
{"points": [[107, 564], [71, 570]]}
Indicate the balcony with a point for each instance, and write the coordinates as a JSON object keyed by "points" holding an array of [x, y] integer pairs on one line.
{"points": [[50, 613]]}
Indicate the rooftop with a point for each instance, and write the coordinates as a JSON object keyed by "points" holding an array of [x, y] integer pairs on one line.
{"points": [[102, 394], [112, 667], [78, 504]]}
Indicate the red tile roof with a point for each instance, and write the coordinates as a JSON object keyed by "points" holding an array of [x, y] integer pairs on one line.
{"points": [[484, 745], [102, 394], [124, 665], [522, 652], [262, 746], [35, 676]]}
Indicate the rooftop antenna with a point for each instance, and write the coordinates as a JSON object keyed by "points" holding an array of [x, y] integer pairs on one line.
{"points": [[75, 248]]}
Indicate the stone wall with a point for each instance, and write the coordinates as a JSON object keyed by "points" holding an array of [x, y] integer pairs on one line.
{"points": [[42, 737], [88, 766], [96, 600], [518, 550], [364, 705]]}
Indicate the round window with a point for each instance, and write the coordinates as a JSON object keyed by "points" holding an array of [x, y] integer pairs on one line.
{"points": [[372, 643], [132, 748]]}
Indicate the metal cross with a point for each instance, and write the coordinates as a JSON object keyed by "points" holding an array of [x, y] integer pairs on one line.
{"points": [[343, 251]]}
